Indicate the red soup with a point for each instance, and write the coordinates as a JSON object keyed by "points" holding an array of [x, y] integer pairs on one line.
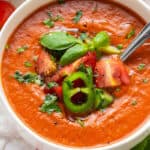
{"points": [[63, 77]]}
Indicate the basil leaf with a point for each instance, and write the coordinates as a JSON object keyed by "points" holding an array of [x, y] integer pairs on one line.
{"points": [[73, 54], [50, 104], [58, 41], [101, 39]]}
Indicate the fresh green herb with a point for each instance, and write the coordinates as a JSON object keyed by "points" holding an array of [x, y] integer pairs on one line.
{"points": [[52, 84], [144, 145], [130, 34], [27, 64], [120, 46], [82, 68], [54, 18], [80, 122], [49, 23], [28, 78], [83, 36], [71, 48], [19, 77], [73, 54], [78, 16], [146, 80], [22, 49], [141, 67], [58, 18], [102, 99], [58, 41], [61, 1], [50, 104], [134, 102], [101, 39]]}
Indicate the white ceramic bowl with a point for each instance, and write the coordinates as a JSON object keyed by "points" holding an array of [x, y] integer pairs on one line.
{"points": [[21, 13]]}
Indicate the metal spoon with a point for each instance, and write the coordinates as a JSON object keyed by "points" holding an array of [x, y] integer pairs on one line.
{"points": [[138, 41]]}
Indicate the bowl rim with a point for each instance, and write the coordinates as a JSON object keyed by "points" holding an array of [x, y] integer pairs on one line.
{"points": [[133, 139]]}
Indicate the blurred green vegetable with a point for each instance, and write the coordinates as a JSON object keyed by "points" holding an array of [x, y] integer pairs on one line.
{"points": [[144, 145], [102, 99]]}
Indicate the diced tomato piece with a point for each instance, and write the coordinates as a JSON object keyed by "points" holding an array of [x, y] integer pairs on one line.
{"points": [[55, 90], [111, 72], [6, 10], [89, 60], [45, 66]]}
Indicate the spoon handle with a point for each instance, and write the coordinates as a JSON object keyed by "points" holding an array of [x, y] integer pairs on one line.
{"points": [[139, 40]]}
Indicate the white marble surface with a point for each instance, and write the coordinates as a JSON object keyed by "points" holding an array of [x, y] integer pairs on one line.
{"points": [[9, 138]]}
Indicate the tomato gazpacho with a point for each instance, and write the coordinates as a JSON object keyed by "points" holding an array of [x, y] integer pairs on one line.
{"points": [[62, 73]]}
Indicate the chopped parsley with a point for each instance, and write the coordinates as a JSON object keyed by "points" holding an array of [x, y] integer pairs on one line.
{"points": [[50, 22], [134, 102], [141, 67], [52, 84], [82, 68], [80, 122], [78, 16], [27, 64], [61, 1], [146, 80], [50, 104], [83, 36], [130, 34], [22, 49], [120, 46], [29, 77], [58, 18]]}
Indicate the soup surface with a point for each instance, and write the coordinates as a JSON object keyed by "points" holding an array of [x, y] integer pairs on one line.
{"points": [[131, 105]]}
